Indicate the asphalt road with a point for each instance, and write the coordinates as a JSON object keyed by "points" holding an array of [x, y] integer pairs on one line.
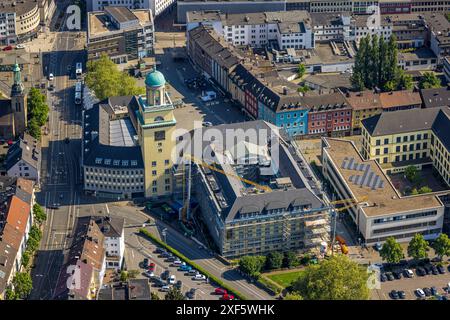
{"points": [[60, 165]]}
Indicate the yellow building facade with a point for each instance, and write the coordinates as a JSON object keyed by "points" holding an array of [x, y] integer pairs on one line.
{"points": [[156, 126]]}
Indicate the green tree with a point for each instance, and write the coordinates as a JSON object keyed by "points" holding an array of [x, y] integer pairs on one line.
{"points": [[37, 106], [34, 129], [411, 173], [429, 80], [274, 260], [301, 70], [337, 278], [414, 192], [425, 189], [22, 284], [290, 260], [303, 89], [293, 296], [10, 294], [154, 296], [25, 258], [252, 265], [35, 233], [442, 245], [418, 247], [106, 80], [391, 251], [39, 214], [174, 294], [123, 275], [375, 61], [404, 81]]}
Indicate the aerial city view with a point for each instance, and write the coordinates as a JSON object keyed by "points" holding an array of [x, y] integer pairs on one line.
{"points": [[252, 150]]}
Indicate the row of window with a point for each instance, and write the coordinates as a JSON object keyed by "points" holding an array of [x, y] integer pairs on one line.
{"points": [[405, 138], [405, 217]]}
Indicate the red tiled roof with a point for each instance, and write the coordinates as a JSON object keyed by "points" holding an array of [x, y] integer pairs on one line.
{"points": [[399, 99], [18, 214]]}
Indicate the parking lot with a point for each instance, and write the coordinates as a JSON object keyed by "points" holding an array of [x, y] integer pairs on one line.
{"points": [[135, 257], [409, 285]]}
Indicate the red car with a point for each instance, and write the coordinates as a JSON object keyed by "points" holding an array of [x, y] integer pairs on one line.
{"points": [[10, 142], [227, 296], [220, 291], [151, 267], [7, 48]]}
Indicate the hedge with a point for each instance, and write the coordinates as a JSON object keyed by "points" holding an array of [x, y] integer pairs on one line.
{"points": [[271, 285], [219, 282]]}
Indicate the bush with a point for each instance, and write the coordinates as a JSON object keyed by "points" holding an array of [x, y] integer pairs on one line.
{"points": [[219, 282], [271, 285]]}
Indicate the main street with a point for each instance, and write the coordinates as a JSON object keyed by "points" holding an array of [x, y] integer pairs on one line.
{"points": [[60, 163]]}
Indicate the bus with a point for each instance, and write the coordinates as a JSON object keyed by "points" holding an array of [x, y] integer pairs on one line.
{"points": [[79, 70], [78, 88]]}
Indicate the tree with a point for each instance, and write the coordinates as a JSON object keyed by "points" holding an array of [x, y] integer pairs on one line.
{"points": [[429, 80], [106, 80], [293, 296], [303, 89], [274, 260], [252, 265], [414, 192], [391, 251], [39, 214], [290, 260], [301, 70], [174, 294], [22, 284], [154, 296], [10, 294], [418, 247], [425, 189], [411, 173], [442, 245], [337, 278], [123, 275], [404, 81], [34, 129], [37, 106], [25, 258]]}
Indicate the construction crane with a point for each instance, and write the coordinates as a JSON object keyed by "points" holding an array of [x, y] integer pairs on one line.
{"points": [[187, 186]]}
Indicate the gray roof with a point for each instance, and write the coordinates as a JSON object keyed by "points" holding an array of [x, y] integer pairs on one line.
{"points": [[138, 289], [27, 149], [207, 39], [97, 143], [402, 121], [121, 14], [437, 97], [110, 226]]}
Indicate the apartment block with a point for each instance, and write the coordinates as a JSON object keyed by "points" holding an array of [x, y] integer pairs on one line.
{"points": [[380, 211], [120, 33], [156, 6], [277, 211]]}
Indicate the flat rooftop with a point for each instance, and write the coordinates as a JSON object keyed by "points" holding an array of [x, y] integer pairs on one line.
{"points": [[368, 183]]}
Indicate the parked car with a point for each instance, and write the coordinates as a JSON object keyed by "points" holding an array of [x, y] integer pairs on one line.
{"points": [[151, 267], [419, 292], [441, 269], [408, 273], [383, 277], [54, 206], [7, 48], [434, 270], [20, 46], [165, 288], [185, 268], [434, 291], [177, 263], [159, 250], [191, 293], [199, 277], [420, 271], [165, 275], [179, 284], [207, 124], [145, 263], [220, 291], [167, 208], [378, 246], [172, 279], [389, 276], [427, 291], [394, 294], [427, 268], [149, 274], [51, 77], [397, 274], [192, 272], [401, 294], [227, 297], [171, 259]]}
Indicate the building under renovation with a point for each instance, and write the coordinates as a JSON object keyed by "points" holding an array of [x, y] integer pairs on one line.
{"points": [[255, 196]]}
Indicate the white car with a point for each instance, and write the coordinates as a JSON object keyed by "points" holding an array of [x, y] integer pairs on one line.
{"points": [[409, 273], [420, 293], [192, 272], [20, 46], [165, 288], [177, 263], [172, 279], [199, 277], [51, 77], [149, 274]]}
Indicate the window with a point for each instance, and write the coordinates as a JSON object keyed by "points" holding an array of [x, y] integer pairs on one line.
{"points": [[153, 163], [378, 142], [154, 173], [160, 135], [386, 141]]}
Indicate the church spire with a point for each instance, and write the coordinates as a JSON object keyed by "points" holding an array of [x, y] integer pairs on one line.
{"points": [[17, 87]]}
